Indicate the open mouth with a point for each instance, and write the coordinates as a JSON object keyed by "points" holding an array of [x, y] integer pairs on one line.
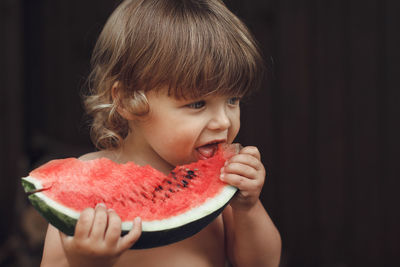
{"points": [[208, 150]]}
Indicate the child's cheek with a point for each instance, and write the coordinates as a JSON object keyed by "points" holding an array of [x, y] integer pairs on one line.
{"points": [[234, 130]]}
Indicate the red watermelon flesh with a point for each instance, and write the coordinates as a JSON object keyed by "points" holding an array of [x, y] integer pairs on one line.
{"points": [[131, 190]]}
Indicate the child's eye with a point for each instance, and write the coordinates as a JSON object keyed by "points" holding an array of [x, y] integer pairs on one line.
{"points": [[234, 100], [197, 104]]}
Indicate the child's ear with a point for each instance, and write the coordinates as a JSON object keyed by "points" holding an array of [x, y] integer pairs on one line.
{"points": [[117, 97]]}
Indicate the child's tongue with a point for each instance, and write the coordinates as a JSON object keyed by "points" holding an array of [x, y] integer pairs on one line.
{"points": [[207, 151]]}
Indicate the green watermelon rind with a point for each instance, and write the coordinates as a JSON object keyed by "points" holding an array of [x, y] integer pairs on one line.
{"points": [[58, 219], [207, 208], [154, 233], [148, 239], [46, 207], [30, 185], [169, 236], [50, 209]]}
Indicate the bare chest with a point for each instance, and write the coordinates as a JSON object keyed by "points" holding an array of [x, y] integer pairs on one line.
{"points": [[202, 250]]}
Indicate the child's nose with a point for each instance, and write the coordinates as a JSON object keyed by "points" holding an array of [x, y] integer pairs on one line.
{"points": [[220, 120]]}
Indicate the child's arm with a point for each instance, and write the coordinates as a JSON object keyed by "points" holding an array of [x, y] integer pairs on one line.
{"points": [[97, 241], [252, 239]]}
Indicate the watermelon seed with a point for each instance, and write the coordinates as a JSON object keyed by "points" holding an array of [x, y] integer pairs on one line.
{"points": [[169, 182], [160, 187], [185, 183]]}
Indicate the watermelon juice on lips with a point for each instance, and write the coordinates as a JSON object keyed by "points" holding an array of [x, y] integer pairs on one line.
{"points": [[172, 207]]}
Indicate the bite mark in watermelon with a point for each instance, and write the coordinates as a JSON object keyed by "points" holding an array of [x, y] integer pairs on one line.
{"points": [[172, 207]]}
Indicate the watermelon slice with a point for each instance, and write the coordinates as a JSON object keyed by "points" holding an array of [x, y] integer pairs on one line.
{"points": [[171, 207]]}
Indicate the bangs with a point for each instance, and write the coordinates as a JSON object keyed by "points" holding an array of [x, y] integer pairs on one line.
{"points": [[193, 49]]}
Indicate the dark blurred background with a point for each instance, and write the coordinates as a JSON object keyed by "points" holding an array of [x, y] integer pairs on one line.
{"points": [[326, 119]]}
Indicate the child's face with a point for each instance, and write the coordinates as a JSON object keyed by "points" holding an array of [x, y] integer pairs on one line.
{"points": [[182, 131]]}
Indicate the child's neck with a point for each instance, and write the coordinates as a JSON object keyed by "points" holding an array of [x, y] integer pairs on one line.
{"points": [[134, 149]]}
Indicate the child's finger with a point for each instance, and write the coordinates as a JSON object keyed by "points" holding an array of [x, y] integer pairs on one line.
{"points": [[235, 180], [84, 224], [241, 182], [251, 150], [129, 239], [99, 222], [240, 169], [113, 232], [246, 159]]}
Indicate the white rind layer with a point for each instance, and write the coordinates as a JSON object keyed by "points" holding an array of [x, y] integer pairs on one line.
{"points": [[38, 184], [208, 207], [57, 206]]}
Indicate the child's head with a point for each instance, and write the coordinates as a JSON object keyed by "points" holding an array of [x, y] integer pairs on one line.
{"points": [[192, 47]]}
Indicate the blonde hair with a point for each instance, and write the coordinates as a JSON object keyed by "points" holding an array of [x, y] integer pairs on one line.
{"points": [[192, 47]]}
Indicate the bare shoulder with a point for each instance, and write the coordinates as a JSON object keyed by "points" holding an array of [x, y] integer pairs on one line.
{"points": [[95, 155]]}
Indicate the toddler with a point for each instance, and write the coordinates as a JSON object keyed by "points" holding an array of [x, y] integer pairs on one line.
{"points": [[167, 79]]}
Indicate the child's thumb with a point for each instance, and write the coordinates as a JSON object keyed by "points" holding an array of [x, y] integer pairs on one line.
{"points": [[129, 239]]}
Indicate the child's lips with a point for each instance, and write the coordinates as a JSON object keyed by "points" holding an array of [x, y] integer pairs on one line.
{"points": [[207, 151]]}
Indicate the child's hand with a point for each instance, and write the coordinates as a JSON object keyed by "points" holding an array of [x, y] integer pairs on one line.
{"points": [[246, 172], [97, 240]]}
